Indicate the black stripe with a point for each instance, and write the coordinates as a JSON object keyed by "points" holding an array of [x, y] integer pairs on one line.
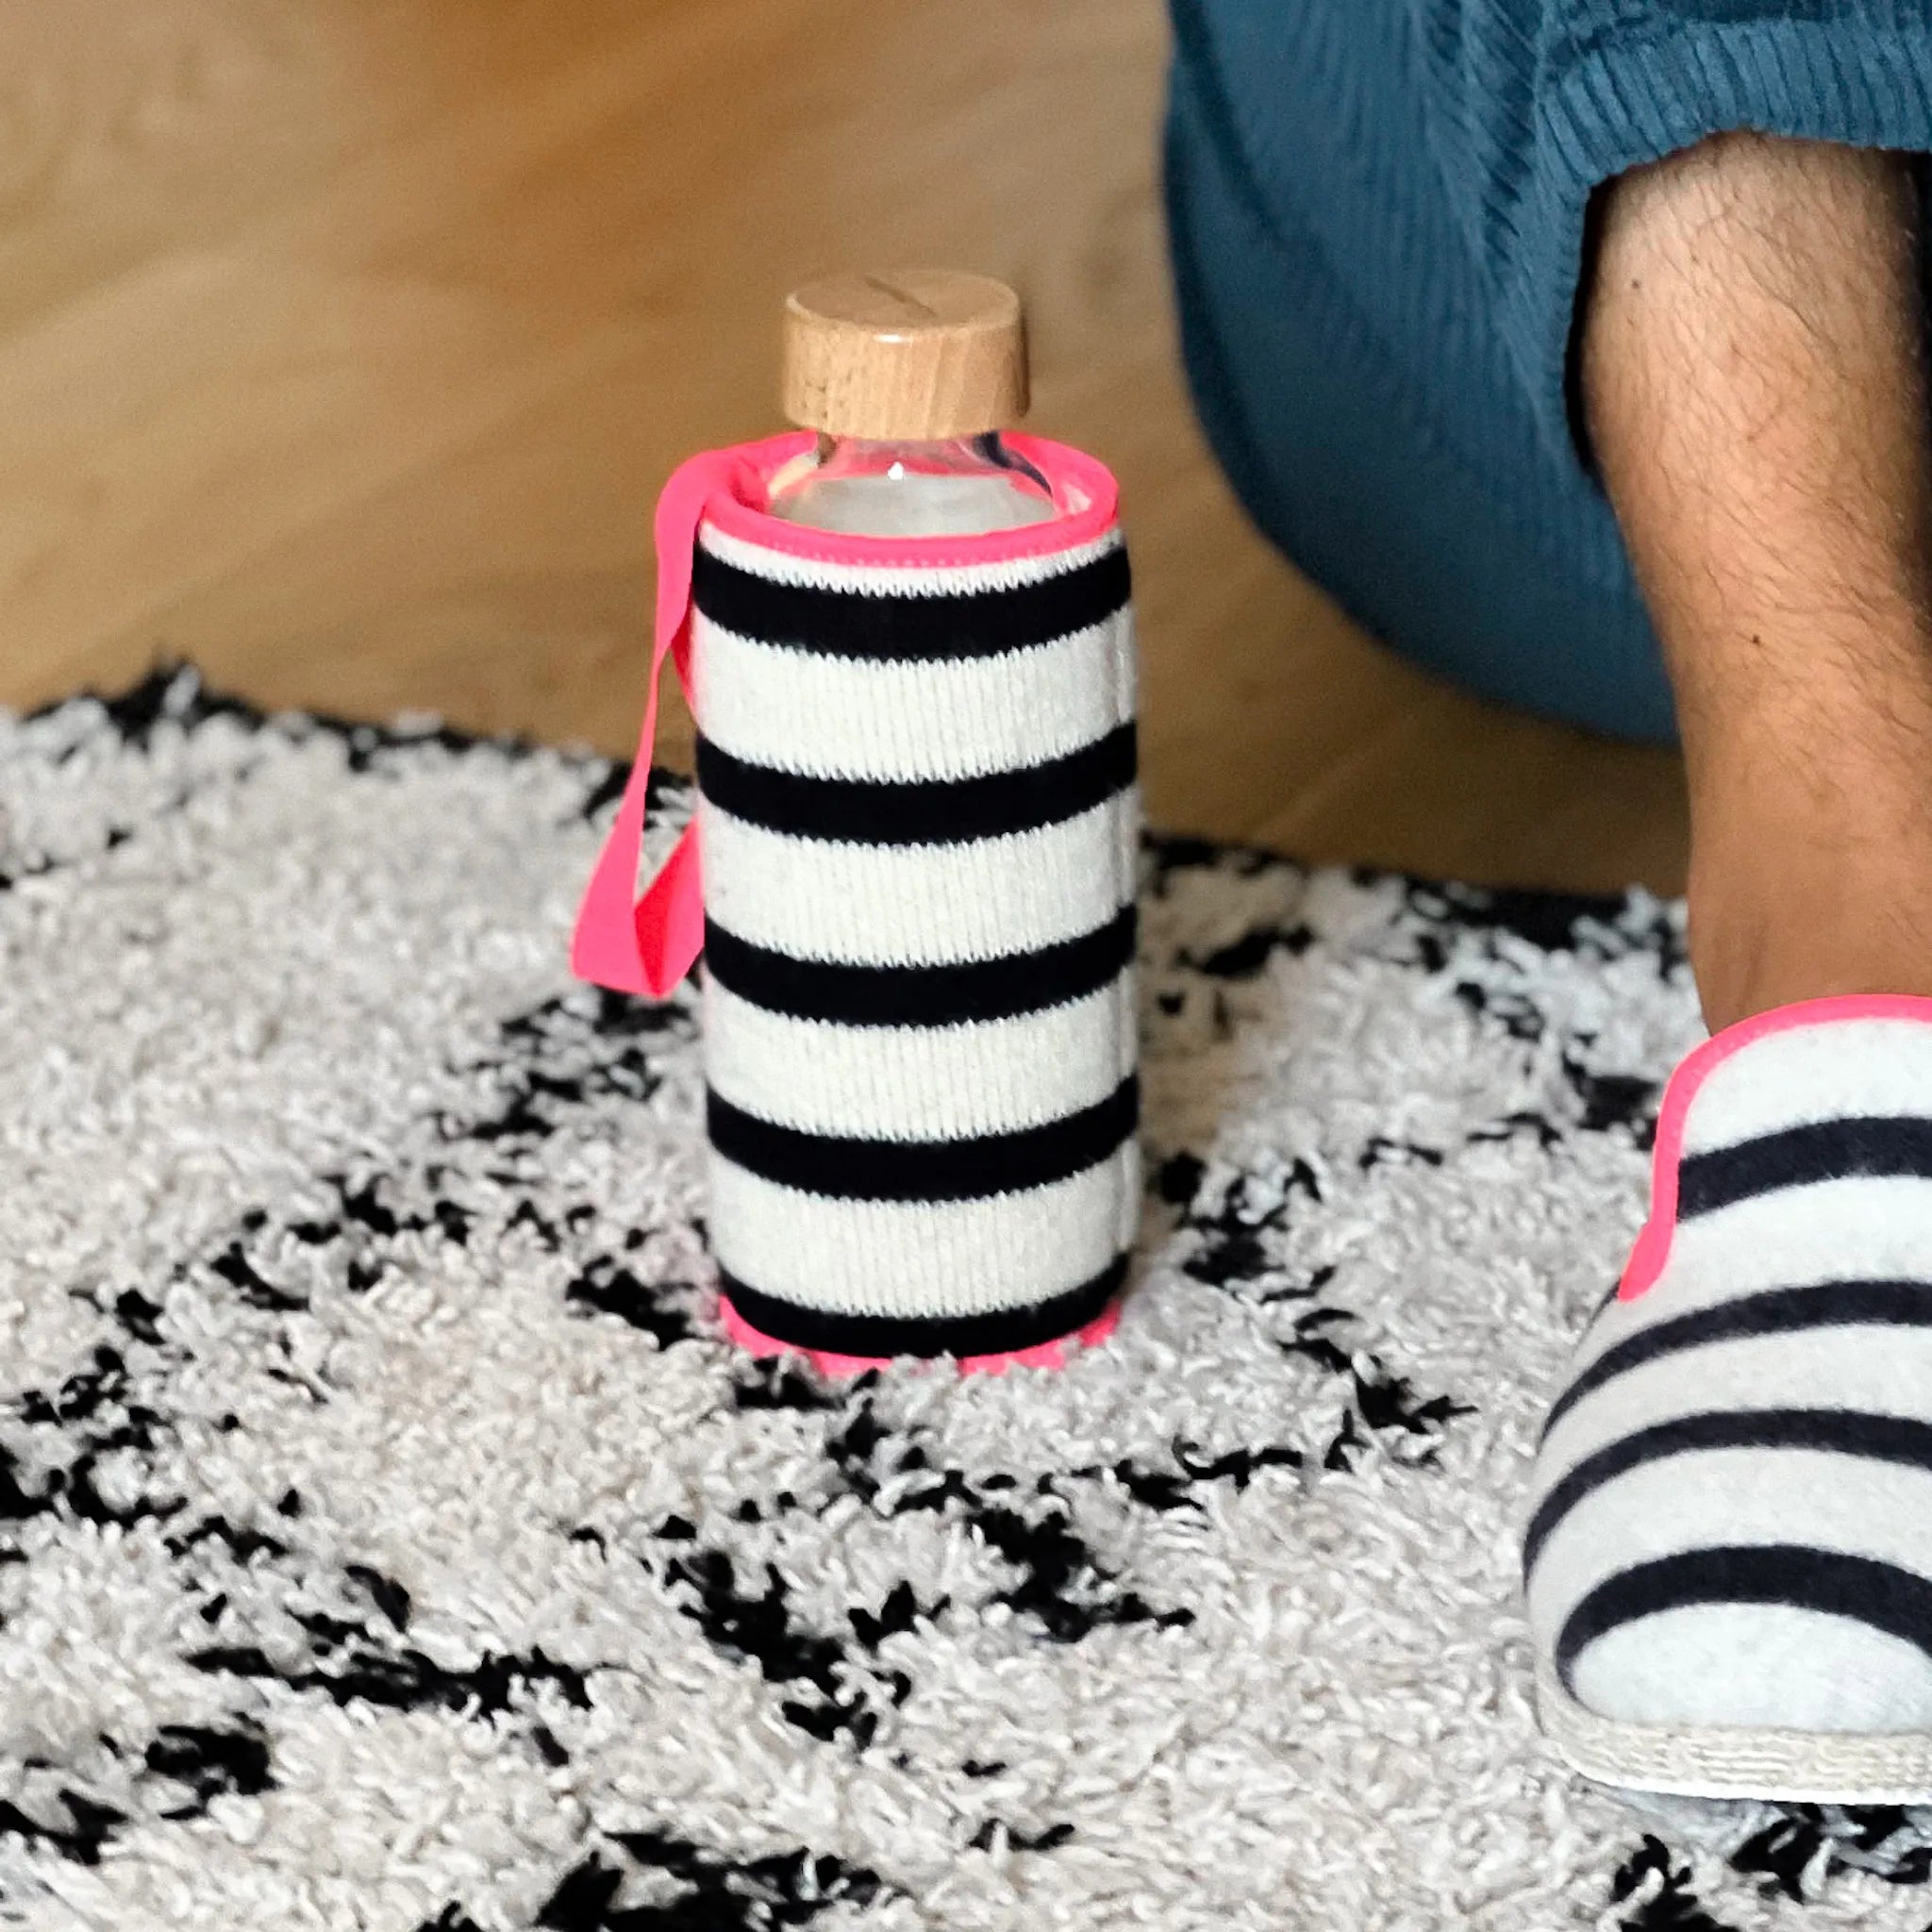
{"points": [[1000, 1331], [954, 623], [946, 995], [850, 1169], [1881, 1595], [882, 812], [1774, 1312], [1834, 1431], [1823, 1151]]}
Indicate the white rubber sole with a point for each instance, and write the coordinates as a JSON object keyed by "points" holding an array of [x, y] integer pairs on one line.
{"points": [[1702, 1762]]}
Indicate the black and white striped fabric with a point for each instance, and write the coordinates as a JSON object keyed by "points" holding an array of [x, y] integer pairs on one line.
{"points": [[1730, 1559], [919, 821]]}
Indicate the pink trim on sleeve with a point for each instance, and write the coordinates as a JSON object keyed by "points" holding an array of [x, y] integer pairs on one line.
{"points": [[1083, 487], [1045, 1355]]}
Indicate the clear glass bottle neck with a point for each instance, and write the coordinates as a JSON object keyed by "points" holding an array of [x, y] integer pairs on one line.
{"points": [[956, 486], [952, 456]]}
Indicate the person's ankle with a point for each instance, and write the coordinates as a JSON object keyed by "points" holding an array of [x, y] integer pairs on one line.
{"points": [[1735, 987], [1776, 919]]}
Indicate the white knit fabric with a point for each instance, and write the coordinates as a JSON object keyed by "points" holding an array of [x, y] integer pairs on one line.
{"points": [[911, 771], [951, 718], [982, 1076], [891, 1259], [848, 904]]}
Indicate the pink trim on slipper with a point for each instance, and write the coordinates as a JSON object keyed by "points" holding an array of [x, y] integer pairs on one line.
{"points": [[1045, 1355], [1652, 1248]]}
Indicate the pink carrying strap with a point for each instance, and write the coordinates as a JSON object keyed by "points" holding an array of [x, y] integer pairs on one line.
{"points": [[646, 946]]}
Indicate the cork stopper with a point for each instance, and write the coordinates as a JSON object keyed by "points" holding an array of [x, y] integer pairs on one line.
{"points": [[919, 355]]}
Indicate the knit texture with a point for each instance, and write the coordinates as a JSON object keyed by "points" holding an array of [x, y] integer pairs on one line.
{"points": [[1379, 216], [918, 821], [1733, 1494]]}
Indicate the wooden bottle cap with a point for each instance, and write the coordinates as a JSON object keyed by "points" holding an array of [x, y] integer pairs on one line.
{"points": [[920, 356]]}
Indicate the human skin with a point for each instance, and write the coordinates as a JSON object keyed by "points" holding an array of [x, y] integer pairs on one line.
{"points": [[1753, 385]]}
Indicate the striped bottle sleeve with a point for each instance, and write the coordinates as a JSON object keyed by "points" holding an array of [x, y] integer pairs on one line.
{"points": [[919, 819]]}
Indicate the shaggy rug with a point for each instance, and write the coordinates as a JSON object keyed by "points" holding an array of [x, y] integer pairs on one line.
{"points": [[388, 1540]]}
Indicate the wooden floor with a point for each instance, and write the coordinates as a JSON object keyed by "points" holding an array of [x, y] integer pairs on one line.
{"points": [[343, 344]]}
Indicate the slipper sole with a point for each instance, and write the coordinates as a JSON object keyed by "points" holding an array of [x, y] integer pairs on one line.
{"points": [[1710, 1761]]}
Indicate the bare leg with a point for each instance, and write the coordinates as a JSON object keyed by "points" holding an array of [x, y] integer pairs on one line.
{"points": [[1753, 364]]}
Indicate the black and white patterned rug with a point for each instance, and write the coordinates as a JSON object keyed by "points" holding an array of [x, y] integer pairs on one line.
{"points": [[388, 1539]]}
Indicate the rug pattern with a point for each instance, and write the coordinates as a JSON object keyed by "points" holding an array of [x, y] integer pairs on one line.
{"points": [[388, 1540]]}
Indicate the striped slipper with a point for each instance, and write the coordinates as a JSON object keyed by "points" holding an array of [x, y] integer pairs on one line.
{"points": [[1728, 1565]]}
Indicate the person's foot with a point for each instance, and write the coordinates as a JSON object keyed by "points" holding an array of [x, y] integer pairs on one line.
{"points": [[1728, 1565], [1729, 1569]]}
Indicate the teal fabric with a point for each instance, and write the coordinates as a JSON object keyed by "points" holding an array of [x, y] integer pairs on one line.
{"points": [[1377, 217]]}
